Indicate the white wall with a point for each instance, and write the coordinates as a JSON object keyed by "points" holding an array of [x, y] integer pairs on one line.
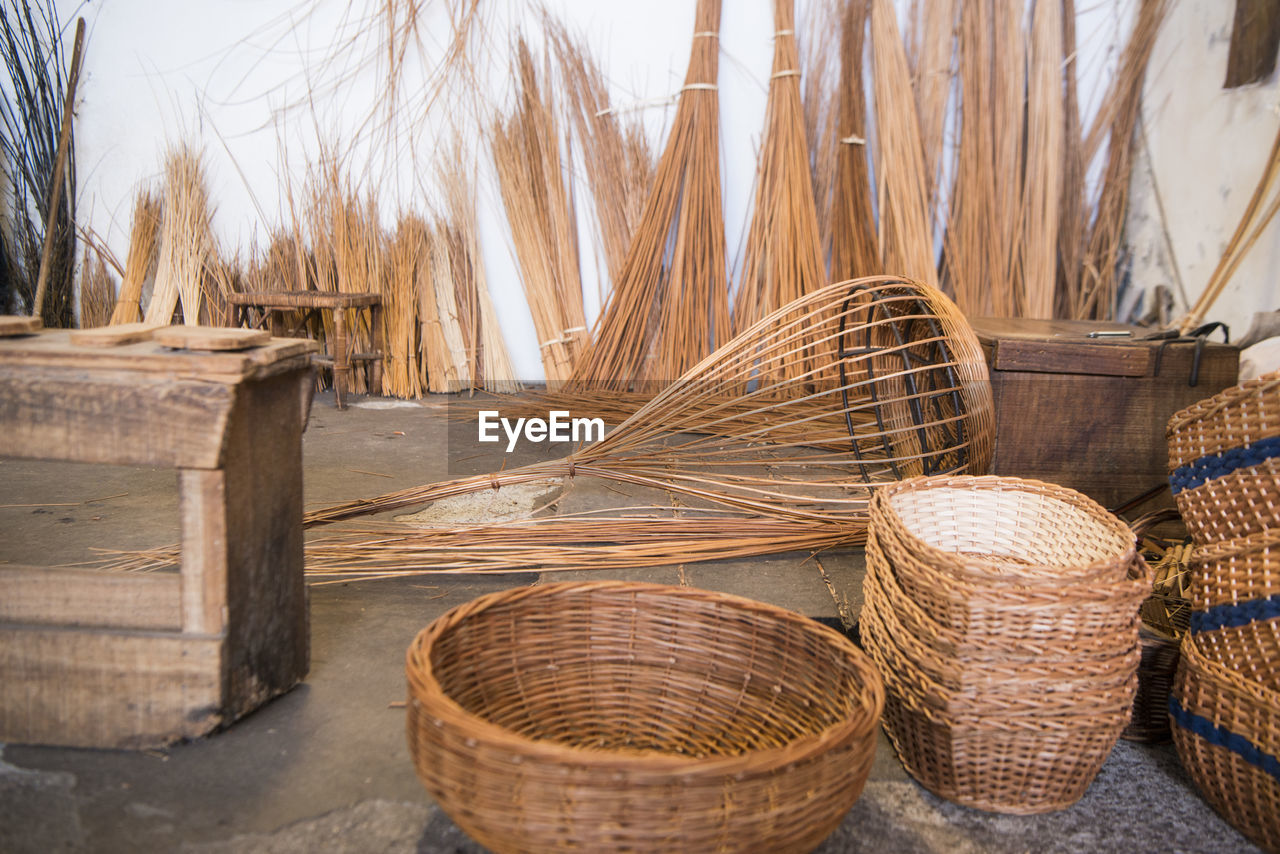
{"points": [[1202, 157], [258, 83]]}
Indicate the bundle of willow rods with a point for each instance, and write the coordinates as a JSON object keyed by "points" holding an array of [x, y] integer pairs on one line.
{"points": [[905, 225], [527, 156], [670, 304], [1037, 272], [401, 374], [854, 250], [144, 234], [782, 258], [933, 33], [742, 429]]}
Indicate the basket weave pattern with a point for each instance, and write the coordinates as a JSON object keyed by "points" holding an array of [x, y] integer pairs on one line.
{"points": [[1003, 614], [637, 717]]}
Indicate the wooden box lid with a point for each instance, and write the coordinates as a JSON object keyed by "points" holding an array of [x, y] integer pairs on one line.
{"points": [[1099, 348]]}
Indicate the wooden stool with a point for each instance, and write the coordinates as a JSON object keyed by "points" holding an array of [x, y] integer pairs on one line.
{"points": [[129, 660], [269, 305]]}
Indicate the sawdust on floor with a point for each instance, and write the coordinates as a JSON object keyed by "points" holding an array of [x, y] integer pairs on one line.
{"points": [[515, 501]]}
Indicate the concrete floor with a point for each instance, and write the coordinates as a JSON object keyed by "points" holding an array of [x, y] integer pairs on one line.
{"points": [[325, 768]]}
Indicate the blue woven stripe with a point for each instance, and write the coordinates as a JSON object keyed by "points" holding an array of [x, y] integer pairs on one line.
{"points": [[1230, 616], [1215, 734], [1208, 468]]}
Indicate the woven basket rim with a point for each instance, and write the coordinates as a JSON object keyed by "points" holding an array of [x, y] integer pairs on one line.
{"points": [[1238, 547], [1212, 405], [640, 761], [933, 554]]}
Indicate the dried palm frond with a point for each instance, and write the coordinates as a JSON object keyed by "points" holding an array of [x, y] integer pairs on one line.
{"points": [[905, 232], [882, 347], [669, 305], [526, 153], [97, 290], [618, 162], [139, 264], [782, 258], [186, 239]]}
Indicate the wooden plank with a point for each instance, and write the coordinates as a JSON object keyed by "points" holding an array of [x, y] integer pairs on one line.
{"points": [[994, 328], [203, 503], [17, 324], [120, 418], [212, 338], [113, 336], [54, 349], [83, 597], [1072, 357], [112, 689]]}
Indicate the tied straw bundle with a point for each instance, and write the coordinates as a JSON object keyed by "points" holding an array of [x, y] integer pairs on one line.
{"points": [[782, 260], [138, 264], [854, 250], [186, 240], [670, 305]]}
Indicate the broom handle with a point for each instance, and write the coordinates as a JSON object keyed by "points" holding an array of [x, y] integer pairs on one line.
{"points": [[55, 193]]}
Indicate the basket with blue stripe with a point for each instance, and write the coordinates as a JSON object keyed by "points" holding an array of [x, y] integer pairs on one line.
{"points": [[1224, 461], [1227, 731]]}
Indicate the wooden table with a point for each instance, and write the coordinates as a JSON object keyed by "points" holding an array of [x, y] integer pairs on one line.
{"points": [[102, 659], [268, 306]]}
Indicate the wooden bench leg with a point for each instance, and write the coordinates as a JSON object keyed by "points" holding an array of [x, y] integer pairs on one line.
{"points": [[376, 335], [341, 357]]}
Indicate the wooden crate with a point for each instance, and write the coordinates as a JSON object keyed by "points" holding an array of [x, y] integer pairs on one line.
{"points": [[1090, 412], [100, 659]]}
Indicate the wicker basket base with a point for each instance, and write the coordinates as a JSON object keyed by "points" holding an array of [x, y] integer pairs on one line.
{"points": [[995, 769]]}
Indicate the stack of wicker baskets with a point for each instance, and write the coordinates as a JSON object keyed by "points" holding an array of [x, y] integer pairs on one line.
{"points": [[1224, 459], [618, 716], [1003, 614]]}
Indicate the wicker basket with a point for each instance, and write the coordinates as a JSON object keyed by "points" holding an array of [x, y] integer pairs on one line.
{"points": [[1224, 461], [1227, 732], [622, 716], [1235, 594], [1149, 723]]}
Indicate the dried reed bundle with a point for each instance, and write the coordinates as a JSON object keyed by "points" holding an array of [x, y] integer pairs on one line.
{"points": [[526, 153], [616, 155], [97, 291], [482, 335], [401, 375], [1257, 215], [144, 235], [782, 258], [670, 305], [430, 259], [1117, 118], [445, 245], [854, 249], [932, 70], [186, 239], [346, 239], [905, 235], [818, 49], [986, 219], [1072, 217], [799, 446], [1045, 154]]}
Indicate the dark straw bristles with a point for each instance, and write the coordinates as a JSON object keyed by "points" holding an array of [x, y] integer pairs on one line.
{"points": [[531, 176], [782, 259], [669, 306], [905, 233], [144, 235]]}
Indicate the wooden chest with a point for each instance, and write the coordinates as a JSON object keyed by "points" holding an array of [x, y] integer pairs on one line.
{"points": [[103, 659], [1090, 412]]}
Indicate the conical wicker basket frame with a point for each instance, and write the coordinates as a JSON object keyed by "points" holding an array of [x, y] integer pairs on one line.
{"points": [[1227, 733], [622, 716], [1224, 461], [798, 417]]}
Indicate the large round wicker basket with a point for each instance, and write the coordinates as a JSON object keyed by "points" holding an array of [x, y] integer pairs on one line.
{"points": [[618, 716]]}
